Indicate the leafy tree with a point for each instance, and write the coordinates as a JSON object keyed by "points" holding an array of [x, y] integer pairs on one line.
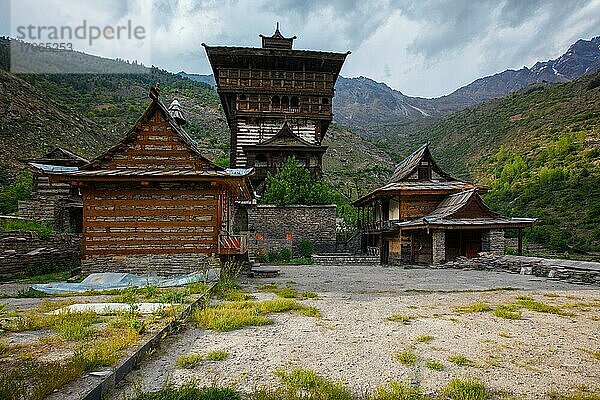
{"points": [[293, 184], [10, 194]]}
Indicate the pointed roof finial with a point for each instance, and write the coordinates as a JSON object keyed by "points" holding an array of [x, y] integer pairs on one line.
{"points": [[277, 40]]}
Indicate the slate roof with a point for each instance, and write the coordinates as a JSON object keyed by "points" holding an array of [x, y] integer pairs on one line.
{"points": [[443, 214], [411, 163]]}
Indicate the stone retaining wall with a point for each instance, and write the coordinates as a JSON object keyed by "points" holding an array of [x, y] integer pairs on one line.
{"points": [[149, 264], [27, 252], [273, 228], [572, 271]]}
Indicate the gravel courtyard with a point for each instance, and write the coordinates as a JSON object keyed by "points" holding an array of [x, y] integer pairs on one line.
{"points": [[354, 341]]}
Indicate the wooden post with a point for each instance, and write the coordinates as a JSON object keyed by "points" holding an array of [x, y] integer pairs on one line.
{"points": [[520, 245]]}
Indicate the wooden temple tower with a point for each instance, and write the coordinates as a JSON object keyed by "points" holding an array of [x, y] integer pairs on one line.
{"points": [[277, 101]]}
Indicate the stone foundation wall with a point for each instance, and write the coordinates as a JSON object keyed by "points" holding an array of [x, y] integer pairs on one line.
{"points": [[572, 271], [274, 224], [493, 241], [439, 247], [26, 253], [41, 206], [149, 264]]}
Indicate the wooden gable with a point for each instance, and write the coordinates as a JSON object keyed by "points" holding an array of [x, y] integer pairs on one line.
{"points": [[156, 142]]}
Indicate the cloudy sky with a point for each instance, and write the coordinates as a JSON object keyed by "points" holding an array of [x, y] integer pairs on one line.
{"points": [[420, 47]]}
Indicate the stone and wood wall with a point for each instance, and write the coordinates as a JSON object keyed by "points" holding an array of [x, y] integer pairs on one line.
{"points": [[129, 227], [24, 253], [42, 204]]}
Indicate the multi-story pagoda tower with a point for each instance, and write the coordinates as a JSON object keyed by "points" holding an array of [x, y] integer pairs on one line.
{"points": [[277, 101]]}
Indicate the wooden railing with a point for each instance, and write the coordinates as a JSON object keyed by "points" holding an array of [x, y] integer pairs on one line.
{"points": [[233, 244], [372, 251], [377, 226]]}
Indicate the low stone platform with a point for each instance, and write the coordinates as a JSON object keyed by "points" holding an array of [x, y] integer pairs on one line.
{"points": [[344, 259], [583, 272]]}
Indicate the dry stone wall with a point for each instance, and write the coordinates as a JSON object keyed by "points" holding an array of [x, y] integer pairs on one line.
{"points": [[27, 252], [272, 228]]}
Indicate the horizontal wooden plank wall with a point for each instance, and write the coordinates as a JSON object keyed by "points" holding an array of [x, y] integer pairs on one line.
{"points": [[417, 206], [121, 219], [156, 147]]}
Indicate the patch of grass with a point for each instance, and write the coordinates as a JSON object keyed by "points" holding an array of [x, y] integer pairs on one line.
{"points": [[596, 354], [458, 389], [551, 295], [217, 355], [189, 361], [34, 380], [434, 365], [424, 339], [310, 312], [306, 384], [398, 391], [228, 319], [105, 351], [504, 335], [70, 325], [287, 293], [507, 312], [236, 295], [234, 315], [43, 230], [75, 326], [533, 305], [472, 308], [460, 360], [399, 317], [191, 392], [45, 278], [406, 357]]}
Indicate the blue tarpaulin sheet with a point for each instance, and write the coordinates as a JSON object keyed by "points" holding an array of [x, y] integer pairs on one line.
{"points": [[115, 280]]}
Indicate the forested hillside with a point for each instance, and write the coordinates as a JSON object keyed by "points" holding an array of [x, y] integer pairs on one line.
{"points": [[539, 152]]}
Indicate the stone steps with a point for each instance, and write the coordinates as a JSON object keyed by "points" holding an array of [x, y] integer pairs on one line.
{"points": [[344, 259]]}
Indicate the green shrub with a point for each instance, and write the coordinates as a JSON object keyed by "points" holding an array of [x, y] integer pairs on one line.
{"points": [[285, 255], [10, 194], [306, 248]]}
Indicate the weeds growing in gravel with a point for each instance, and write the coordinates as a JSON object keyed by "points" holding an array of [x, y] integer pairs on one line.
{"points": [[189, 361], [234, 315], [406, 357], [533, 305], [460, 360], [472, 308], [287, 293], [424, 339], [458, 389], [192, 360], [507, 311], [434, 365], [399, 317], [397, 391]]}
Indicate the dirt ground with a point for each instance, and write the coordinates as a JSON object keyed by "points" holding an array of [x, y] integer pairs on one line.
{"points": [[354, 342]]}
